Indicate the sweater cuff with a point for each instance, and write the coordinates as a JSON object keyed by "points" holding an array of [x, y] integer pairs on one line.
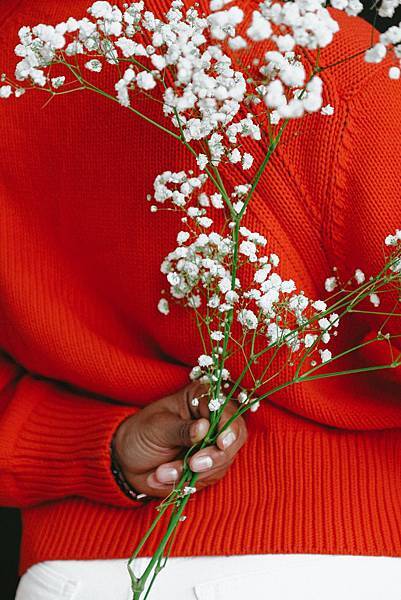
{"points": [[60, 446]]}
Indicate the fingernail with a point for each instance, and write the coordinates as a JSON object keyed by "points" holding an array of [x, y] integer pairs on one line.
{"points": [[201, 463], [167, 474], [153, 482], [200, 430], [227, 438]]}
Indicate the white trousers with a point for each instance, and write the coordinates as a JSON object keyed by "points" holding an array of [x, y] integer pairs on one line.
{"points": [[253, 577], [250, 577]]}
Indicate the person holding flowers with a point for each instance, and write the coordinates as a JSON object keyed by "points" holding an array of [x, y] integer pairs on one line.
{"points": [[249, 386]]}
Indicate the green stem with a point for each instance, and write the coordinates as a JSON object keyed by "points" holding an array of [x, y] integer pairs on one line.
{"points": [[139, 585], [89, 86]]}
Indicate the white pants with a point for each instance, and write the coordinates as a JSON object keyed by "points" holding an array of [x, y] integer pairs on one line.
{"points": [[251, 577]]}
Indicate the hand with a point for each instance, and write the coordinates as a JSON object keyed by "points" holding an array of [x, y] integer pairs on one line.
{"points": [[149, 444]]}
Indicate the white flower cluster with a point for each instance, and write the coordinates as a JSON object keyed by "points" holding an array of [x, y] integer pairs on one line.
{"points": [[181, 189], [176, 187], [273, 306], [207, 371], [200, 274], [285, 72], [309, 24], [394, 241], [202, 92], [390, 39], [387, 8], [287, 89], [188, 490], [201, 264]]}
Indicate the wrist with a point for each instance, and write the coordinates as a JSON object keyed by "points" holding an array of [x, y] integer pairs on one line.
{"points": [[118, 442], [118, 473]]}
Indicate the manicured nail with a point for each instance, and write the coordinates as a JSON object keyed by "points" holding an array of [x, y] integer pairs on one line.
{"points": [[201, 463], [227, 438], [167, 474], [200, 429]]}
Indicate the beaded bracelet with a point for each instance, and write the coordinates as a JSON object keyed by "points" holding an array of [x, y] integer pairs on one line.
{"points": [[120, 480]]}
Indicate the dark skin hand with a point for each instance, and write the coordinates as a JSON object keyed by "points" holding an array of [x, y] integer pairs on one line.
{"points": [[150, 444]]}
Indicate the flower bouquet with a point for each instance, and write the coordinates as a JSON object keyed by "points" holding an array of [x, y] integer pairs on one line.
{"points": [[191, 60]]}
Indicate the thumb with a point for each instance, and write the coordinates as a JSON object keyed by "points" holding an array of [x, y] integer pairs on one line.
{"points": [[173, 431]]}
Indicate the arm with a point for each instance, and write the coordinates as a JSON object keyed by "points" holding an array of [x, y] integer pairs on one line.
{"points": [[53, 442], [366, 203], [364, 207]]}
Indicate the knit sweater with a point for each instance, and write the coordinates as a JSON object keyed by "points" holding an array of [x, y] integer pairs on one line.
{"points": [[83, 345]]}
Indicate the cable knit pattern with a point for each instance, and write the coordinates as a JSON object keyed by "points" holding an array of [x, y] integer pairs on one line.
{"points": [[84, 346]]}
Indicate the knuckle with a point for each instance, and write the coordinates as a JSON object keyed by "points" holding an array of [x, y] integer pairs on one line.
{"points": [[183, 434], [224, 460], [230, 409], [154, 429]]}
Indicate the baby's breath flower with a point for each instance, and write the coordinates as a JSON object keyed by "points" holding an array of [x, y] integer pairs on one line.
{"points": [[205, 361], [145, 80], [57, 81], [163, 306], [274, 259], [287, 287], [182, 237], [324, 323], [325, 355], [202, 160], [376, 53], [393, 240], [261, 274], [94, 65], [359, 276], [327, 110], [247, 161], [255, 406], [319, 305], [5, 91], [217, 200], [309, 340], [375, 300], [196, 373], [394, 72], [234, 156], [242, 397], [214, 404], [330, 284], [260, 28], [248, 319]]}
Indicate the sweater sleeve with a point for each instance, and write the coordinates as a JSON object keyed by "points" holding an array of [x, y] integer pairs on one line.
{"points": [[366, 199], [359, 206], [54, 443]]}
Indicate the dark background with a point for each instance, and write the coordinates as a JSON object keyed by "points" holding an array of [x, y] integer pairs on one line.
{"points": [[10, 523]]}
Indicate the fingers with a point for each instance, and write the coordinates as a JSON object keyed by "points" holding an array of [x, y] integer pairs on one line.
{"points": [[229, 441], [196, 402], [235, 435], [171, 431], [236, 431], [161, 482], [183, 424], [210, 463], [148, 484]]}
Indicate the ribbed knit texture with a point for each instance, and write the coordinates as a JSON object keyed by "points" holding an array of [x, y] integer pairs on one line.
{"points": [[84, 345]]}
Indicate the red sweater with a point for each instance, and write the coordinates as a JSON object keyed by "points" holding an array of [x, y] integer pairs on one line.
{"points": [[84, 345]]}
